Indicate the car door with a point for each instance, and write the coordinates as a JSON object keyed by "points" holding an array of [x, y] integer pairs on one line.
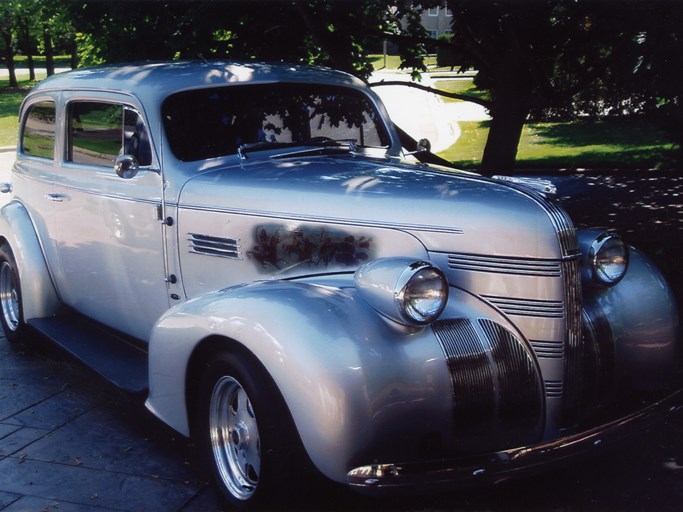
{"points": [[109, 237], [34, 169]]}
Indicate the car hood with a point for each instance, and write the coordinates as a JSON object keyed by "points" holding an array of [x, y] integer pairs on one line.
{"points": [[446, 211]]}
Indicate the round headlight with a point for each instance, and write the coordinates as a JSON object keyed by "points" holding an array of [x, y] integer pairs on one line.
{"points": [[409, 292], [608, 258], [421, 293]]}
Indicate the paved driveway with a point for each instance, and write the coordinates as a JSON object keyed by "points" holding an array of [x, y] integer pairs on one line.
{"points": [[71, 443]]}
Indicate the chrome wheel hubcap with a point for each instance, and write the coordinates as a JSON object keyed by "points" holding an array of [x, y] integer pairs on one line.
{"points": [[9, 297], [234, 438]]}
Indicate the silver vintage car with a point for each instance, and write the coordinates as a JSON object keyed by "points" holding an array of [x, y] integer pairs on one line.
{"points": [[253, 246]]}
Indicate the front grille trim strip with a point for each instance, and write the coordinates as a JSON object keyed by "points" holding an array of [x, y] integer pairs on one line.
{"points": [[504, 265], [528, 307]]}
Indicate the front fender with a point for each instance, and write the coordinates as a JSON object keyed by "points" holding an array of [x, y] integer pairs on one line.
{"points": [[39, 297], [640, 317], [355, 383]]}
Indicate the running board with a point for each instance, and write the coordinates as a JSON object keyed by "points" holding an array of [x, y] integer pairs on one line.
{"points": [[110, 354]]}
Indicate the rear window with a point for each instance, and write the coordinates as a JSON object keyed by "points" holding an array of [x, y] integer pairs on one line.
{"points": [[214, 122], [38, 135]]}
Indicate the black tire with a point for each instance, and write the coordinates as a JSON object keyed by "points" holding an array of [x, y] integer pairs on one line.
{"points": [[246, 435], [11, 310]]}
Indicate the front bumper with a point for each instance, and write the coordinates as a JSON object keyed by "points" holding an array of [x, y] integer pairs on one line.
{"points": [[470, 471]]}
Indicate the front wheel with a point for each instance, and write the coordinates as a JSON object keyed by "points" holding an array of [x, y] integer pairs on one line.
{"points": [[11, 314], [245, 432]]}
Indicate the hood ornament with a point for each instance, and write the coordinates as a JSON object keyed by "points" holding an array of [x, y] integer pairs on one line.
{"points": [[537, 184]]}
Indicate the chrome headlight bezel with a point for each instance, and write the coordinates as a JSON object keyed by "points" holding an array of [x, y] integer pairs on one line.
{"points": [[607, 259], [410, 292]]}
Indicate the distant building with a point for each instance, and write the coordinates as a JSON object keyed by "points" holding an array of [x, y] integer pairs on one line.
{"points": [[437, 20]]}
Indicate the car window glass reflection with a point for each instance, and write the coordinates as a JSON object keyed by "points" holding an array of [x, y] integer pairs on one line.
{"points": [[38, 136], [214, 122]]}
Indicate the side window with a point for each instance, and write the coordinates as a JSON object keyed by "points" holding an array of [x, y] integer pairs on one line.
{"points": [[99, 132], [38, 135]]}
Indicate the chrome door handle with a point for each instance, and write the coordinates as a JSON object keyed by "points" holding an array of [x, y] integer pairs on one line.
{"points": [[58, 198]]}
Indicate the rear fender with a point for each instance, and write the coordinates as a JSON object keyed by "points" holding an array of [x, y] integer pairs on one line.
{"points": [[39, 297]]}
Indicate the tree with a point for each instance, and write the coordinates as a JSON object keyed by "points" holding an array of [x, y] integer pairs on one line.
{"points": [[540, 58], [24, 16], [567, 58], [336, 34], [7, 17]]}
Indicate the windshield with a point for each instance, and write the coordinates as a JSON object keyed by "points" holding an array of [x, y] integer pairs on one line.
{"points": [[212, 122]]}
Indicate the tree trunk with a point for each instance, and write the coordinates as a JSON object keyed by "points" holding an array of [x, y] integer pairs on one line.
{"points": [[31, 67], [74, 54], [49, 57], [508, 115], [323, 39], [9, 58]]}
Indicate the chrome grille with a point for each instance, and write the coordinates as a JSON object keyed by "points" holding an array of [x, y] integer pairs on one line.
{"points": [[496, 386], [568, 359], [214, 246]]}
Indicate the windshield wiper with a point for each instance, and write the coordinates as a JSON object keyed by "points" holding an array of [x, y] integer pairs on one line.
{"points": [[320, 146], [257, 146]]}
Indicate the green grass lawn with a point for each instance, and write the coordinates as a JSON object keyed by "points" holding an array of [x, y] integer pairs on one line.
{"points": [[394, 61], [60, 61], [10, 100], [9, 108], [592, 144], [464, 85]]}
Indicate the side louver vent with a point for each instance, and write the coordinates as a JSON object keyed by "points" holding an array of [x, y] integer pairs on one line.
{"points": [[215, 246]]}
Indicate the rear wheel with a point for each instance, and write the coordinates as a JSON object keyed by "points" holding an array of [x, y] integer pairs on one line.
{"points": [[246, 434], [11, 314]]}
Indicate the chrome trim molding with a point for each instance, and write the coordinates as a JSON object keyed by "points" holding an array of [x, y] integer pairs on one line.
{"points": [[334, 220], [548, 349], [554, 388], [575, 345]]}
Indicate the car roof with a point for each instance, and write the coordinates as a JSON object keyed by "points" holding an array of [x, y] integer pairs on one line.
{"points": [[153, 81]]}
